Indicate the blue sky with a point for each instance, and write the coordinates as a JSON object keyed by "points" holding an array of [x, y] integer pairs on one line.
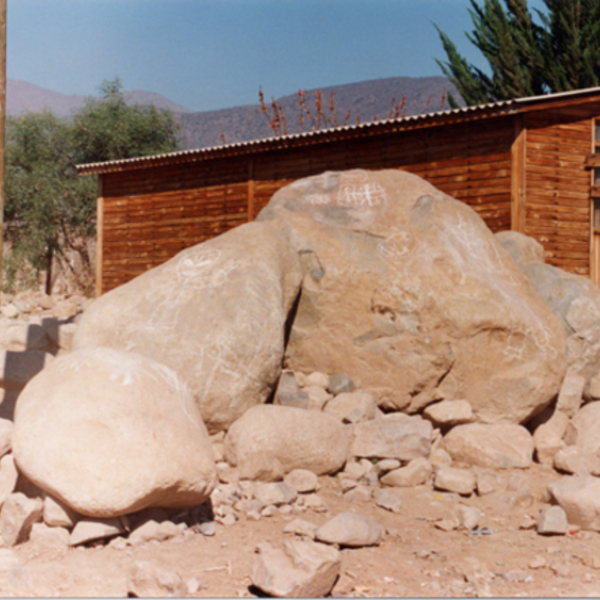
{"points": [[211, 54]]}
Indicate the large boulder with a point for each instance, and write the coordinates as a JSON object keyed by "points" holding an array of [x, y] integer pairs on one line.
{"points": [[215, 314], [109, 432], [574, 300], [408, 292], [298, 438]]}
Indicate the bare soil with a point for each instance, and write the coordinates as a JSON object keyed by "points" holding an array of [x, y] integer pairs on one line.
{"points": [[417, 559]]}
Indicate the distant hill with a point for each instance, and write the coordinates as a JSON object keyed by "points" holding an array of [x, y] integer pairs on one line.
{"points": [[22, 96], [365, 100]]}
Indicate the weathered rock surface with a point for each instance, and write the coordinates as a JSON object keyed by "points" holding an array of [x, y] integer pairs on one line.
{"points": [[303, 569], [214, 313], [408, 292], [302, 480], [298, 438], [575, 301], [571, 393], [496, 446], [275, 493], [548, 437], [109, 432], [575, 460], [351, 529], [579, 497], [392, 436], [523, 249]]}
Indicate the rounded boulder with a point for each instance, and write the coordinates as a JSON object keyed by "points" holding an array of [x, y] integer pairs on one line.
{"points": [[300, 439], [110, 432]]}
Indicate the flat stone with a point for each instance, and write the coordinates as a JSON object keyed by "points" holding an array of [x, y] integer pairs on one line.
{"points": [[50, 537], [302, 569], [460, 481], [552, 520], [87, 530], [315, 502], [302, 480], [351, 529], [449, 412], [416, 472], [395, 435], [571, 394], [386, 465], [302, 528], [389, 501], [17, 516]]}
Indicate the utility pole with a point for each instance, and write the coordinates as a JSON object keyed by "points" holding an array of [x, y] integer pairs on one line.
{"points": [[2, 126]]}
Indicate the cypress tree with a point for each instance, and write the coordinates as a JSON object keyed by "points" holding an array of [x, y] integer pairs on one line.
{"points": [[527, 59]]}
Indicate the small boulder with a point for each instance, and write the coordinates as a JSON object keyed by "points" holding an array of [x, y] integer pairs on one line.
{"points": [[303, 569], [449, 412], [416, 472], [351, 529], [468, 517], [288, 392], [302, 480], [496, 446], [552, 520], [153, 531], [57, 513], [450, 479], [300, 439], [587, 424], [49, 537], [317, 397], [94, 409], [395, 435], [579, 497]]}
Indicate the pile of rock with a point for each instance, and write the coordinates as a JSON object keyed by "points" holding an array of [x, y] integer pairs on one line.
{"points": [[419, 349]]}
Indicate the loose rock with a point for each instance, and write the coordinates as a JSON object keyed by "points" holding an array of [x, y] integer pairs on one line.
{"points": [[389, 501], [340, 383], [352, 407], [351, 529], [302, 480], [300, 439], [302, 528], [87, 530], [496, 446], [275, 493], [301, 569], [552, 520], [449, 412], [17, 516], [415, 473], [579, 497], [455, 480], [150, 580]]}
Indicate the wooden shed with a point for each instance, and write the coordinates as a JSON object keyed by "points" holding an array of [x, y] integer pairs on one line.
{"points": [[527, 165]]}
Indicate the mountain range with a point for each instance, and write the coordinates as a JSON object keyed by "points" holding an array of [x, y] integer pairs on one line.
{"points": [[355, 102]]}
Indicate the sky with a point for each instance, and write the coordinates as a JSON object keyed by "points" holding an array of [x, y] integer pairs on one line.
{"points": [[212, 54]]}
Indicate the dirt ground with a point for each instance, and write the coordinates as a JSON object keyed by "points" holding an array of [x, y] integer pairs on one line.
{"points": [[417, 559]]}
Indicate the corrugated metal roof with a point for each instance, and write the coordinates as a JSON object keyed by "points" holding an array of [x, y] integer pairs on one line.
{"points": [[464, 113]]}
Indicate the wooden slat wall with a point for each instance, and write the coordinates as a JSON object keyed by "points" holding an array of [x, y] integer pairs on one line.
{"points": [[557, 184], [152, 214], [149, 215]]}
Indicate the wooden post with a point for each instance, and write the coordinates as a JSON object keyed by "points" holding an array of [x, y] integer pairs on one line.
{"points": [[517, 194], [2, 125], [99, 234], [251, 188]]}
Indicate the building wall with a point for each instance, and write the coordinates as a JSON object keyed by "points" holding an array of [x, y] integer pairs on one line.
{"points": [[557, 209]]}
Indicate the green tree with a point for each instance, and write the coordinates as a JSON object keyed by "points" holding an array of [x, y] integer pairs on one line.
{"points": [[561, 52], [49, 209]]}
